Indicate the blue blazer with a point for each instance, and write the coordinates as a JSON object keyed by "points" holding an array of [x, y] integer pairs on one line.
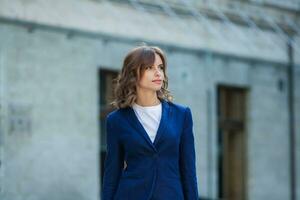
{"points": [[162, 170]]}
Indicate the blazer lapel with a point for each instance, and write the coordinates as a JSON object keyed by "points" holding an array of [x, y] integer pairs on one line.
{"points": [[134, 121], [163, 121]]}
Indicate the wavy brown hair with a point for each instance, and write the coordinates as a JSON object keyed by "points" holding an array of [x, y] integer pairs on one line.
{"points": [[134, 65]]}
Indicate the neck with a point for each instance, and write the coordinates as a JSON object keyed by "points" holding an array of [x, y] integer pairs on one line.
{"points": [[147, 98]]}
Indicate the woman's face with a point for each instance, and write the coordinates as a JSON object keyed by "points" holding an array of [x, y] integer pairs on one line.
{"points": [[153, 76]]}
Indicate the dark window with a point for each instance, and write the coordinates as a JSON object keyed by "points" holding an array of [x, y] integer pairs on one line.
{"points": [[106, 96]]}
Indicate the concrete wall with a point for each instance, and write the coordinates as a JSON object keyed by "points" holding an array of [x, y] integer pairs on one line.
{"points": [[105, 18], [50, 81], [268, 129], [289, 4]]}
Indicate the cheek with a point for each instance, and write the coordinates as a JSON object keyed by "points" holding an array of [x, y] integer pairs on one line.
{"points": [[144, 79], [148, 76], [162, 75], [141, 82]]}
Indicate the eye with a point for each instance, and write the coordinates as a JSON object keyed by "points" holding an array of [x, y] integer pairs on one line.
{"points": [[149, 67]]}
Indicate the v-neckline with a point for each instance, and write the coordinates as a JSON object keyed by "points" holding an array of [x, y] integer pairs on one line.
{"points": [[160, 126], [140, 123]]}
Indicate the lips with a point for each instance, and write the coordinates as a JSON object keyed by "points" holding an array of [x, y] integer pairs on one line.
{"points": [[157, 81]]}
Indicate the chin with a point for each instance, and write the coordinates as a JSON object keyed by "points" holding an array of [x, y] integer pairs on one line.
{"points": [[154, 89], [157, 88]]}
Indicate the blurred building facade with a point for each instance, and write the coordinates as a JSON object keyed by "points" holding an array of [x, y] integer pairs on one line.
{"points": [[228, 61]]}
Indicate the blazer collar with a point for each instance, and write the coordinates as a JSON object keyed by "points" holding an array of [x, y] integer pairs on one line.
{"points": [[134, 121]]}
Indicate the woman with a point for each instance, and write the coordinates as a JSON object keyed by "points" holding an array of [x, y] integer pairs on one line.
{"points": [[150, 142]]}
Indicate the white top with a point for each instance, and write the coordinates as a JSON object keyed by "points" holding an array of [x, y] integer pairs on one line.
{"points": [[149, 116]]}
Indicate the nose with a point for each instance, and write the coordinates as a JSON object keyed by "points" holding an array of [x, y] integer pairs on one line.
{"points": [[158, 72]]}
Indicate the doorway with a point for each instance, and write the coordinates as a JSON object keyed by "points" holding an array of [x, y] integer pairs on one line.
{"points": [[232, 142]]}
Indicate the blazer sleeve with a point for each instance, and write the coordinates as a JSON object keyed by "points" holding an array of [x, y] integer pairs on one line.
{"points": [[187, 159], [113, 161]]}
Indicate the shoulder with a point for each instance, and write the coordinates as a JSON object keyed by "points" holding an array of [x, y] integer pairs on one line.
{"points": [[114, 115], [179, 108], [182, 112]]}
